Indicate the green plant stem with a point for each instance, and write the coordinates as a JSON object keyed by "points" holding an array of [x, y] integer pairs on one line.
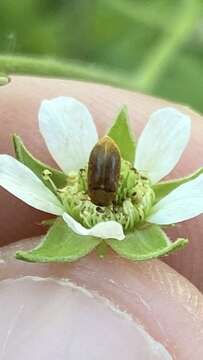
{"points": [[4, 79], [159, 58], [55, 68]]}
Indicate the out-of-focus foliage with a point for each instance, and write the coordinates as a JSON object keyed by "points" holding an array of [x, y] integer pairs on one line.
{"points": [[154, 46]]}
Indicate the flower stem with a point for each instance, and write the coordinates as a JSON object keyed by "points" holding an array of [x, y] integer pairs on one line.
{"points": [[158, 60]]}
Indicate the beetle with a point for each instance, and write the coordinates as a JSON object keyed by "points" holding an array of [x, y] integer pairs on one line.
{"points": [[103, 172]]}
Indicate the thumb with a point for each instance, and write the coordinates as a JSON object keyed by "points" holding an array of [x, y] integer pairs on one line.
{"points": [[111, 309]]}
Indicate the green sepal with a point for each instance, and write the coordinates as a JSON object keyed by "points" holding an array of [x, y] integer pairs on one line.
{"points": [[165, 187], [122, 135], [102, 249], [145, 244], [60, 244], [25, 157], [48, 222]]}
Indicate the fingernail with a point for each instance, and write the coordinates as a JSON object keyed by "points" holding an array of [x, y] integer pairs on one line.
{"points": [[54, 319]]}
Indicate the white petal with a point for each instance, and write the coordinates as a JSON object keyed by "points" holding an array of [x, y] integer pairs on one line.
{"points": [[68, 130], [162, 143], [104, 230], [183, 203], [25, 185]]}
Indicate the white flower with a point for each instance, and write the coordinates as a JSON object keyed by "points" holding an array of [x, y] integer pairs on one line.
{"points": [[70, 134]]}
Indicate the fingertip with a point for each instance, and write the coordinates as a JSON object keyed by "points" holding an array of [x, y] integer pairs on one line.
{"points": [[164, 303]]}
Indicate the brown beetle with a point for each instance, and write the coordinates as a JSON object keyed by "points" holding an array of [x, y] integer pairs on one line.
{"points": [[104, 172]]}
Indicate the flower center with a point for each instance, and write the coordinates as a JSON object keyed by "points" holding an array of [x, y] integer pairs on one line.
{"points": [[133, 201]]}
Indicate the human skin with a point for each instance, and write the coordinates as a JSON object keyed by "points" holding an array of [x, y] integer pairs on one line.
{"points": [[156, 295]]}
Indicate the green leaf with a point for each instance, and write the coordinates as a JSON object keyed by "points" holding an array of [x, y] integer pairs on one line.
{"points": [[24, 156], [122, 135], [165, 187], [145, 244], [60, 244]]}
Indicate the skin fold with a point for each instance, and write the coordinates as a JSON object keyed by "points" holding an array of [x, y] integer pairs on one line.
{"points": [[167, 305]]}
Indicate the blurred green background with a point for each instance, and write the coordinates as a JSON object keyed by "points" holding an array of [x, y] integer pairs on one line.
{"points": [[155, 46]]}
